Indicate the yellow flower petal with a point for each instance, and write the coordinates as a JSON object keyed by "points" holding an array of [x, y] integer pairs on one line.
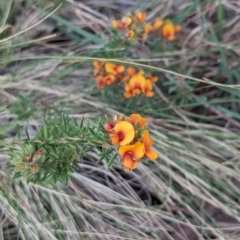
{"points": [[128, 94], [114, 68], [148, 28], [141, 16], [149, 93], [125, 131], [147, 141], [127, 20], [148, 84], [120, 69], [115, 23], [125, 149], [136, 151], [128, 87], [137, 81], [130, 34], [147, 89], [152, 155], [158, 23], [109, 67], [114, 139]]}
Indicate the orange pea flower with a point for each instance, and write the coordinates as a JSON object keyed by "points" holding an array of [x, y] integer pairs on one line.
{"points": [[109, 79], [100, 82], [136, 120], [148, 28], [148, 142], [131, 71], [125, 22], [135, 86], [131, 155], [168, 31], [147, 88], [140, 16], [114, 68], [123, 133], [98, 64], [157, 24]]}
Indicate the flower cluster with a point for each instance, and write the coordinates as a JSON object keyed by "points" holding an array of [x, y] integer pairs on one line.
{"points": [[107, 73], [135, 81], [166, 28], [136, 27], [132, 25], [138, 83], [132, 138]]}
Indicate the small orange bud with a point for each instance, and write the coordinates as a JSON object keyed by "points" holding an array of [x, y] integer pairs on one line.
{"points": [[38, 152], [141, 16], [125, 22], [168, 30], [100, 82], [157, 24], [34, 168], [98, 64], [109, 126], [177, 28]]}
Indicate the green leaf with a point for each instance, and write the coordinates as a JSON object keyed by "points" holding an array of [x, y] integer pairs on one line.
{"points": [[228, 112], [81, 123], [104, 154], [17, 175], [234, 91], [81, 32], [26, 131], [111, 161]]}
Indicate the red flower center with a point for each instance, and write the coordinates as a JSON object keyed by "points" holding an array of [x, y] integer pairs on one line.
{"points": [[131, 155], [122, 25], [120, 136]]}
